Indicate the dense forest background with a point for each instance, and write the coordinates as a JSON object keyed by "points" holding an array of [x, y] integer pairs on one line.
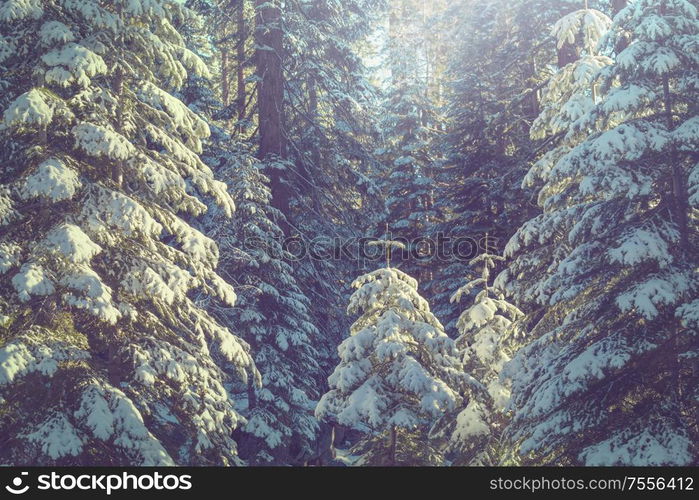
{"points": [[357, 232]]}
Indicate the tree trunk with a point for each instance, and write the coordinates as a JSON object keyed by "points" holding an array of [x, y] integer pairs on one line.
{"points": [[242, 39], [531, 105], [679, 191], [316, 156], [313, 112], [43, 135], [270, 99], [252, 395], [118, 165], [392, 447], [680, 208], [567, 54], [618, 5], [225, 81], [397, 14]]}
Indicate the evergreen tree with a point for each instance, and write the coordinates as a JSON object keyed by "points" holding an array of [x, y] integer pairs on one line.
{"points": [[607, 378], [572, 89], [567, 128], [272, 315], [485, 345], [330, 132], [501, 58], [491, 96], [398, 370], [411, 123], [104, 357], [483, 330]]}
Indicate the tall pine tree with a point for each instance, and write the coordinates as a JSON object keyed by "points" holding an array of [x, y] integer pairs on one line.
{"points": [[398, 370], [607, 378], [104, 357]]}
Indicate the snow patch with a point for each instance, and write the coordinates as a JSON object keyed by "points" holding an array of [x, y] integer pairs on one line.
{"points": [[100, 141], [17, 10], [647, 448], [53, 32], [70, 241], [111, 415], [32, 280], [53, 180], [93, 295], [471, 422], [80, 61], [29, 109], [56, 437], [9, 256]]}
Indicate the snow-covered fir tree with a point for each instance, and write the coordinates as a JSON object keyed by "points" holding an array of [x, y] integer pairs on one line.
{"points": [[272, 315], [484, 346], [483, 326], [398, 370], [410, 123], [492, 94], [572, 88], [104, 357], [609, 376], [330, 130]]}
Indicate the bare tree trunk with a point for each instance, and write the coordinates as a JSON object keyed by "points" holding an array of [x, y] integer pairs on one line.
{"points": [[393, 446], [225, 80], [568, 53], [270, 99], [316, 156], [530, 105], [313, 112], [270, 71], [43, 136], [242, 39]]}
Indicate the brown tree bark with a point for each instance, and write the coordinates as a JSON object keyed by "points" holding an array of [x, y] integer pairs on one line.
{"points": [[252, 394], [240, 64], [270, 99], [532, 106], [225, 80], [568, 53], [393, 446]]}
